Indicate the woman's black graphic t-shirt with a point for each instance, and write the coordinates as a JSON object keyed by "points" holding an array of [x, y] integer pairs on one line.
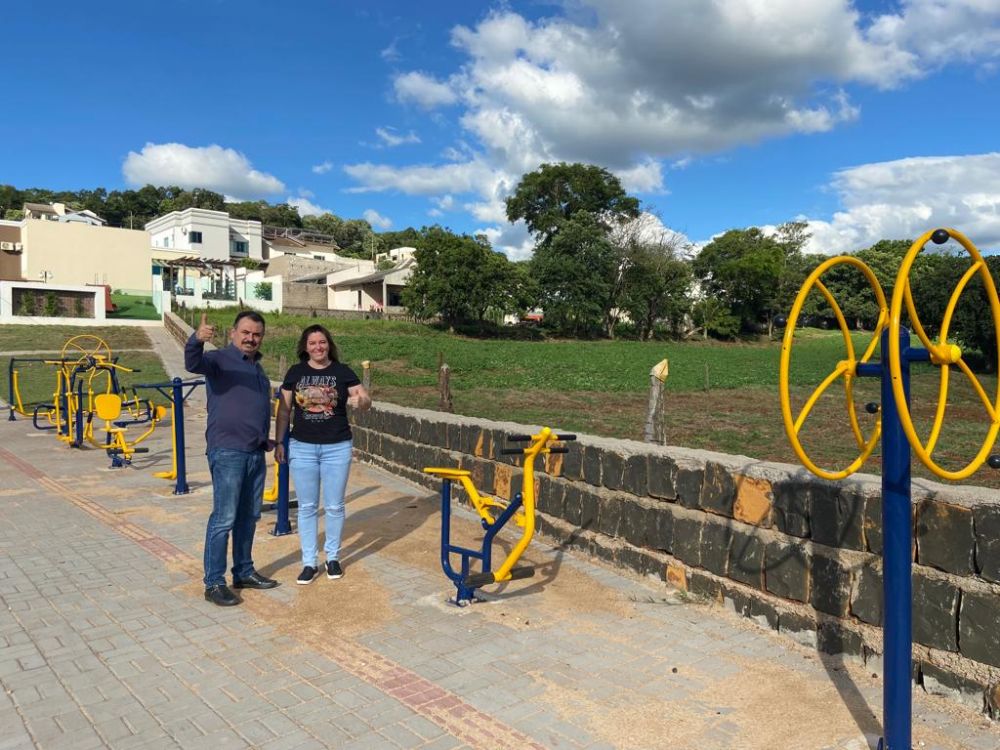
{"points": [[319, 400]]}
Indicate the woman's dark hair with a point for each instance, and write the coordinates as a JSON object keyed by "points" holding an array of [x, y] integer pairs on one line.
{"points": [[255, 316], [300, 349]]}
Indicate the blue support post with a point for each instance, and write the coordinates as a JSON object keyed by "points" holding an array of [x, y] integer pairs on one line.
{"points": [[282, 524], [78, 417], [897, 556], [10, 390], [181, 485]]}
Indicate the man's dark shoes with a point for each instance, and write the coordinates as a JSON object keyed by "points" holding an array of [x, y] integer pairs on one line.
{"points": [[308, 575], [222, 595], [333, 569], [254, 581]]}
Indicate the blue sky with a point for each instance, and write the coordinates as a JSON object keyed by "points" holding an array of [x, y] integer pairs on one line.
{"points": [[869, 120]]}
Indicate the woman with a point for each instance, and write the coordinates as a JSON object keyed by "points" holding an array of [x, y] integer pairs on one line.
{"points": [[318, 390]]}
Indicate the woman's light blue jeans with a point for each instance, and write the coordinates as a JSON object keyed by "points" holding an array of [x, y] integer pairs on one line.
{"points": [[312, 465]]}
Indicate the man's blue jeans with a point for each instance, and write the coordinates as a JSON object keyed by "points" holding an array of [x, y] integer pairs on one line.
{"points": [[313, 464], [238, 489]]}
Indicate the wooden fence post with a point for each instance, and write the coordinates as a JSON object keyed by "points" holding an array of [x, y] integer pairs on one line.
{"points": [[657, 376], [282, 365], [366, 375], [444, 386]]}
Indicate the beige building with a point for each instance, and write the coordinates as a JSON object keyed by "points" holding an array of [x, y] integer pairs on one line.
{"points": [[81, 253]]}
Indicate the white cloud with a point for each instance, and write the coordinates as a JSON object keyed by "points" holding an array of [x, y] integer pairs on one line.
{"points": [[307, 207], [223, 170], [513, 240], [633, 86], [423, 90], [903, 199], [322, 168], [421, 179], [390, 138], [376, 219]]}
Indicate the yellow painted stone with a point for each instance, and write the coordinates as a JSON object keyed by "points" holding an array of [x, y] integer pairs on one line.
{"points": [[501, 481], [677, 576], [753, 501]]}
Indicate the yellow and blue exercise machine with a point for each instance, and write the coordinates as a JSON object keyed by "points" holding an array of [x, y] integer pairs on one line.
{"points": [[494, 513], [894, 424]]}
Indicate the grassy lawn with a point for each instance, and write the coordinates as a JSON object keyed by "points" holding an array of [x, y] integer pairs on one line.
{"points": [[36, 380], [721, 397], [133, 306]]}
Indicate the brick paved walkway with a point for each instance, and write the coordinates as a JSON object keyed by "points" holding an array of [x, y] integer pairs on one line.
{"points": [[105, 640]]}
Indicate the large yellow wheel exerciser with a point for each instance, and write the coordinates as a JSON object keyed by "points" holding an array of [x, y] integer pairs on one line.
{"points": [[86, 347], [942, 353], [846, 369]]}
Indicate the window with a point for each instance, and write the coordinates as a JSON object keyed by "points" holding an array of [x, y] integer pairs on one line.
{"points": [[166, 242], [194, 238], [239, 247]]}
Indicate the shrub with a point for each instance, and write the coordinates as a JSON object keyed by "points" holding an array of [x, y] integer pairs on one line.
{"points": [[52, 307], [262, 290], [28, 304]]}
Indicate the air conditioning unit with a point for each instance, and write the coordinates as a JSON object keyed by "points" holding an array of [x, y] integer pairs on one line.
{"points": [[18, 247], [6, 245]]}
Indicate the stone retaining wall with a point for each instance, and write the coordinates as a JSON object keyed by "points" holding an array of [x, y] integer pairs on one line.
{"points": [[771, 541]]}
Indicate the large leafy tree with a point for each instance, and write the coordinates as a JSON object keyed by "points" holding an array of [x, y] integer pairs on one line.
{"points": [[744, 268], [459, 278], [554, 193], [576, 272]]}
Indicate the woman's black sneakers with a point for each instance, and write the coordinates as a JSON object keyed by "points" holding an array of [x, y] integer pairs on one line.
{"points": [[333, 569], [308, 575]]}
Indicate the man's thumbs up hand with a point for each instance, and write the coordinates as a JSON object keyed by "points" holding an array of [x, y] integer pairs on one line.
{"points": [[205, 330]]}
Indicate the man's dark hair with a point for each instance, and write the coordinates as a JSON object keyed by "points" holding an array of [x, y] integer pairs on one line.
{"points": [[255, 316]]}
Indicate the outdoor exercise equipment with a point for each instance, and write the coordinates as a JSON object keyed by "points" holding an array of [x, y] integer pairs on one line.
{"points": [[178, 393], [108, 407], [276, 496], [894, 424], [494, 513]]}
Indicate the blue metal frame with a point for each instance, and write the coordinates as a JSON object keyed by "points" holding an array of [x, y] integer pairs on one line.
{"points": [[464, 592], [177, 396], [282, 524], [897, 548]]}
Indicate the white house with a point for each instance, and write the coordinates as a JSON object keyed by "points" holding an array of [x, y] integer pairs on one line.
{"points": [[210, 235], [373, 291], [59, 212], [208, 259]]}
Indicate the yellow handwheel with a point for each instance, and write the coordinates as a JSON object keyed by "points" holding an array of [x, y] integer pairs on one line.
{"points": [[942, 353], [846, 368], [86, 346]]}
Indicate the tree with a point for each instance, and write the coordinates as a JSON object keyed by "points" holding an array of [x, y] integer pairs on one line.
{"points": [[576, 273], [457, 277], [742, 268], [554, 193]]}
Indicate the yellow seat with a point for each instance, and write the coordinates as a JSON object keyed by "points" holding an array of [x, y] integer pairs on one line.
{"points": [[447, 473], [108, 406]]}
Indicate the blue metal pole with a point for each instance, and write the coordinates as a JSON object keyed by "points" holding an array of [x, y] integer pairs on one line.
{"points": [[897, 534], [78, 416], [181, 486], [282, 524], [10, 390]]}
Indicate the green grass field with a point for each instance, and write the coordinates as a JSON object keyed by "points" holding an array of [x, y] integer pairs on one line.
{"points": [[720, 397], [36, 380], [133, 306]]}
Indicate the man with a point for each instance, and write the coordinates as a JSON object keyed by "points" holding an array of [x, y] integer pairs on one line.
{"points": [[239, 421]]}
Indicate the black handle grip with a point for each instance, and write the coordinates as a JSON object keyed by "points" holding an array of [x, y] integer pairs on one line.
{"points": [[518, 573], [511, 451], [140, 450], [519, 438], [565, 437], [479, 579], [559, 450]]}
